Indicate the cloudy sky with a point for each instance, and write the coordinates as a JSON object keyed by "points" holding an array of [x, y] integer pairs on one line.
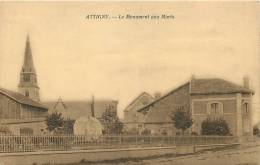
{"points": [[118, 59]]}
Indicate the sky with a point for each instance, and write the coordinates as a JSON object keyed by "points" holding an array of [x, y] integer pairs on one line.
{"points": [[118, 59]]}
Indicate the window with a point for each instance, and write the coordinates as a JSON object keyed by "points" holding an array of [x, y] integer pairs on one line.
{"points": [[26, 78], [27, 93], [180, 108], [246, 108], [215, 109]]}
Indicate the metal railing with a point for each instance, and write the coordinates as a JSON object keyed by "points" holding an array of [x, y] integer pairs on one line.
{"points": [[70, 142]]}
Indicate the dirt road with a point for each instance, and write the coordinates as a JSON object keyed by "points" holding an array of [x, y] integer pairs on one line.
{"points": [[242, 155], [245, 155]]}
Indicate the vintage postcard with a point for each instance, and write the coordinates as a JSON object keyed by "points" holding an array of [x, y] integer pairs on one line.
{"points": [[111, 82]]}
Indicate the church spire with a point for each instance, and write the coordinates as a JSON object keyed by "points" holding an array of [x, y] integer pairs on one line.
{"points": [[28, 60], [28, 85]]}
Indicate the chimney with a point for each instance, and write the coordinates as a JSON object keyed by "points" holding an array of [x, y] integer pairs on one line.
{"points": [[192, 77], [246, 81], [93, 107], [157, 95]]}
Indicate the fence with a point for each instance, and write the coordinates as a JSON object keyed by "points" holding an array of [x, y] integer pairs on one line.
{"points": [[52, 143]]}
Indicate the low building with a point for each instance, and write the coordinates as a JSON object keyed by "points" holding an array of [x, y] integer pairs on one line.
{"points": [[72, 110], [132, 118], [203, 98], [22, 115]]}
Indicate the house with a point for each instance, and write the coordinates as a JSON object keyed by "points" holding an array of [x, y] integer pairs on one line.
{"points": [[203, 98], [22, 111], [21, 114], [132, 118]]}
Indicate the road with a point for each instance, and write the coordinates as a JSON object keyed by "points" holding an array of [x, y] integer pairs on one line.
{"points": [[243, 155]]}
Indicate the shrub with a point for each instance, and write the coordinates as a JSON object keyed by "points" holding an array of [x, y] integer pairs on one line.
{"points": [[54, 121], [164, 132], [194, 133], [132, 131], [215, 127], [4, 130], [182, 120], [111, 122]]}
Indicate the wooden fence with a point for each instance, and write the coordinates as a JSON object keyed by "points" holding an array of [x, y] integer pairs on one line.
{"points": [[62, 143]]}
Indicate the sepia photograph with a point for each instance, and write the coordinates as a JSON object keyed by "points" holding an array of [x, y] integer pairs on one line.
{"points": [[129, 83]]}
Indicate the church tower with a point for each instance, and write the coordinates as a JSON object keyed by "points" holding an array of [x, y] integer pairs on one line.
{"points": [[28, 79]]}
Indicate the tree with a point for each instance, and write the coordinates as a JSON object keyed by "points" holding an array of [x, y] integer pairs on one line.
{"points": [[181, 120], [111, 122], [54, 121], [215, 127]]}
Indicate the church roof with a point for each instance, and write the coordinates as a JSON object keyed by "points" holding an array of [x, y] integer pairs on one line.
{"points": [[21, 98], [28, 59], [75, 109]]}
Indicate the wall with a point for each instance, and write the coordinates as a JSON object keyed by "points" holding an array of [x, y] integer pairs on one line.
{"points": [[161, 110], [38, 127], [131, 114], [199, 110], [9, 109], [32, 112], [33, 92]]}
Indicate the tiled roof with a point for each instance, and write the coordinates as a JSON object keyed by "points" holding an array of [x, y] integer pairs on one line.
{"points": [[216, 86], [21, 98], [206, 86], [75, 109]]}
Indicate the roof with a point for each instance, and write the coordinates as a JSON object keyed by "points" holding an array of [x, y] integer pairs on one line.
{"points": [[21, 98], [160, 98], [216, 86], [207, 86], [142, 100], [28, 59], [75, 109]]}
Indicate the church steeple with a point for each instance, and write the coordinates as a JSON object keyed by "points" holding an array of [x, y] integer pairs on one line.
{"points": [[28, 60], [28, 85]]}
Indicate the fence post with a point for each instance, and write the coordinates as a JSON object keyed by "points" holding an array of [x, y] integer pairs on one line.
{"points": [[136, 139], [120, 139]]}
